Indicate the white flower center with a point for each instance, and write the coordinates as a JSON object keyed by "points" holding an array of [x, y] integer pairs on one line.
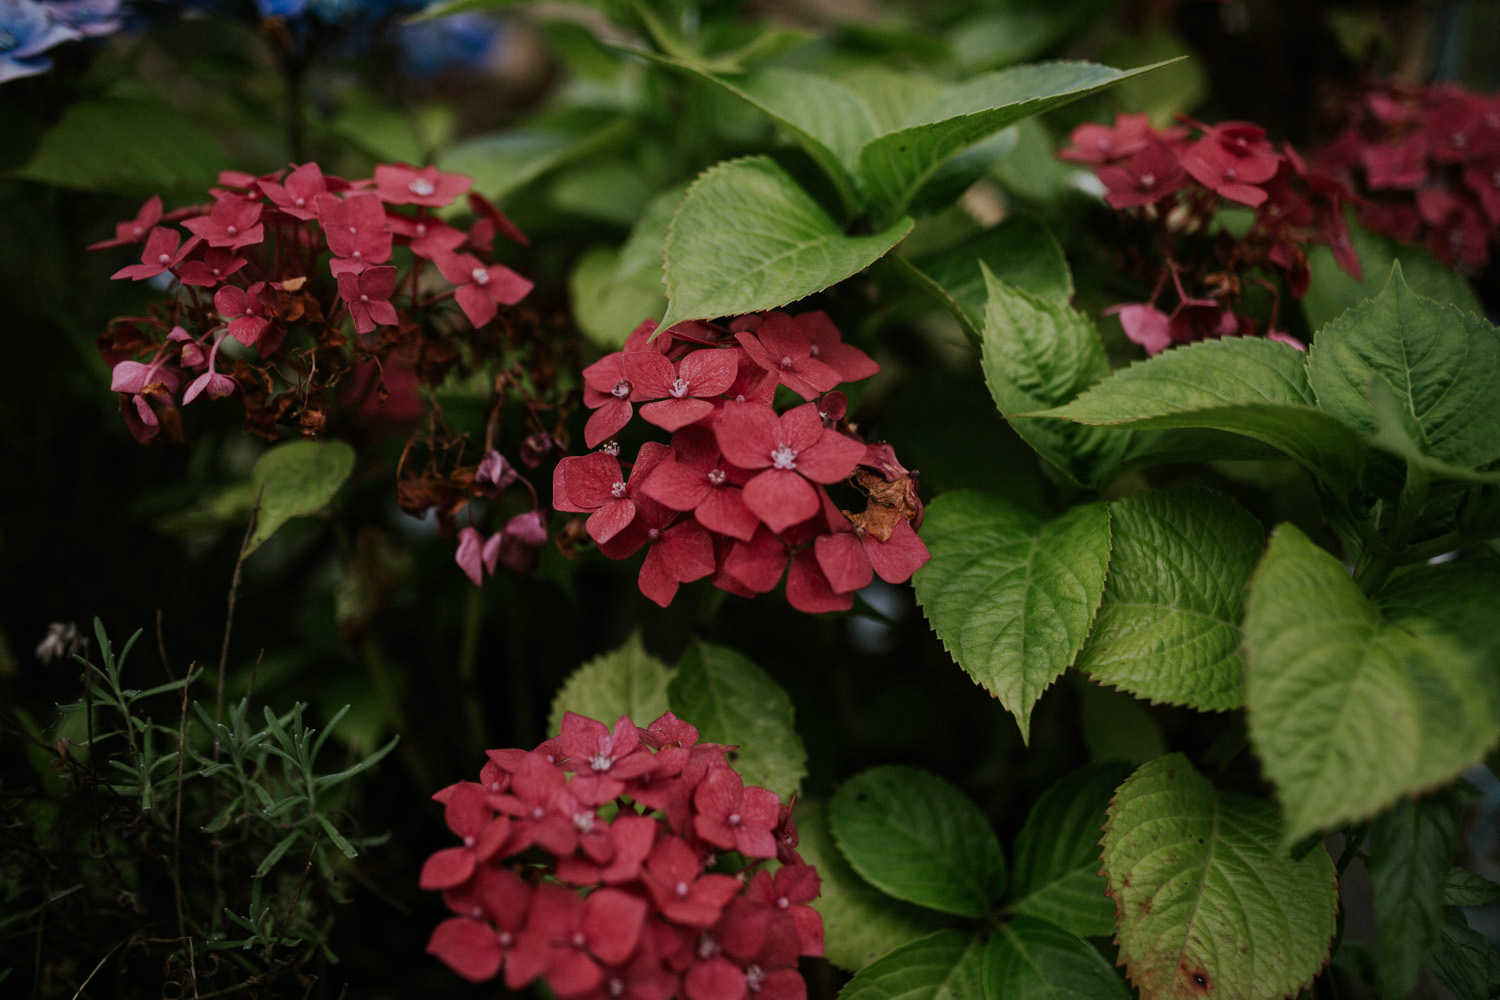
{"points": [[734, 819], [602, 761], [621, 389], [421, 187], [786, 362], [679, 389], [480, 276], [231, 230], [783, 458], [717, 476], [1148, 181], [681, 889], [618, 489], [583, 822]]}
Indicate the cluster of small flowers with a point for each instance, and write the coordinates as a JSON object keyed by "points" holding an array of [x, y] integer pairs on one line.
{"points": [[278, 272], [1175, 180], [28, 28], [592, 863], [739, 495], [1426, 164]]}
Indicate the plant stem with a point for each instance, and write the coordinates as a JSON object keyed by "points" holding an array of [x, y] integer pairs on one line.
{"points": [[1376, 566]]}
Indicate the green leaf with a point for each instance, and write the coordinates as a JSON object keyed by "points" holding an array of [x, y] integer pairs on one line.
{"points": [[1465, 888], [1017, 30], [505, 162], [1020, 252], [1056, 871], [732, 701], [1331, 291], [295, 479], [1464, 961], [1168, 628], [613, 292], [1033, 959], [1012, 596], [1443, 365], [912, 834], [625, 681], [747, 237], [1209, 904], [1396, 430], [894, 166], [150, 145], [1350, 709], [948, 965], [860, 923], [1040, 353], [1257, 388], [1409, 851]]}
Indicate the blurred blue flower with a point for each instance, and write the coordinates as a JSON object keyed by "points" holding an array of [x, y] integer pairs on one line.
{"points": [[90, 18], [28, 29], [461, 43]]}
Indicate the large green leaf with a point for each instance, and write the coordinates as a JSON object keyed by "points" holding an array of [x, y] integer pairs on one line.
{"points": [[948, 965], [860, 923], [1021, 252], [747, 237], [1168, 628], [1257, 388], [1331, 291], [625, 681], [894, 166], [149, 144], [1350, 709], [910, 833], [733, 701], [1034, 960], [613, 292], [1443, 365], [294, 479], [1010, 595], [1209, 903], [1055, 876], [505, 162], [1409, 852], [1040, 353]]}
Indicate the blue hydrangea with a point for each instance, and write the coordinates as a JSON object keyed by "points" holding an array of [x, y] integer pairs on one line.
{"points": [[27, 29], [461, 43]]}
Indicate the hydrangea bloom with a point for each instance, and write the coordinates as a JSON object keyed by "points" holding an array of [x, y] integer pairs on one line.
{"points": [[1174, 181], [591, 863], [741, 494]]}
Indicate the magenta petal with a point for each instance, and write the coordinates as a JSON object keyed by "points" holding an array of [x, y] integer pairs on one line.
{"points": [[470, 554], [748, 433], [843, 560], [592, 480], [807, 588], [612, 922], [723, 510], [833, 458], [689, 551], [607, 421], [650, 375], [897, 559], [468, 947], [709, 373], [781, 498], [478, 305], [675, 414], [447, 868], [801, 427], [675, 485], [607, 522], [758, 563]]}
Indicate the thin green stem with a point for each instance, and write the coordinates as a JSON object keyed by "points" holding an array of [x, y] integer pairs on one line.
{"points": [[1376, 566]]}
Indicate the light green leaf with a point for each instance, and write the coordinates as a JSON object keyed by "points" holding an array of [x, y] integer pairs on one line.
{"points": [[1442, 364], [1034, 960], [1015, 30], [1350, 709], [860, 923], [1168, 628], [948, 965], [1056, 871], [910, 833], [505, 162], [625, 681], [1021, 253], [1040, 353], [613, 292], [1257, 388], [732, 701], [151, 145], [1331, 291], [1397, 431], [1209, 903], [747, 237], [1464, 961], [1011, 596], [1409, 851], [894, 166], [295, 479]]}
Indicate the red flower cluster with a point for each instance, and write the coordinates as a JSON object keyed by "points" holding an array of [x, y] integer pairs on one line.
{"points": [[594, 862], [1175, 180], [739, 496], [312, 297], [1426, 164]]}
